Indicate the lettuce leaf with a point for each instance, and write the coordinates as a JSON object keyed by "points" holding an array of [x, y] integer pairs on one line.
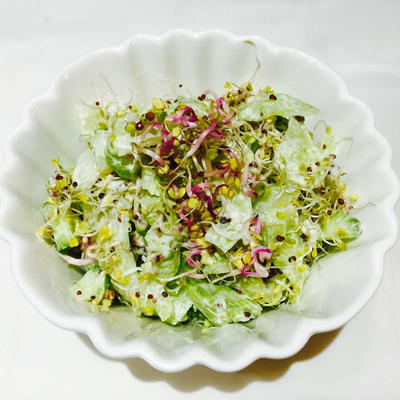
{"points": [[224, 236], [85, 173], [267, 294], [340, 226], [260, 107], [125, 167], [221, 304], [215, 263], [63, 230], [150, 182], [93, 283], [277, 211], [149, 297], [303, 162], [166, 248]]}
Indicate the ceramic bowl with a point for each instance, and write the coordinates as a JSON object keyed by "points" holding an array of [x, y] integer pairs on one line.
{"points": [[182, 62]]}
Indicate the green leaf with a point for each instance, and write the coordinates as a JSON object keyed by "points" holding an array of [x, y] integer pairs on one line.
{"points": [[224, 236], [221, 304], [260, 107], [215, 263], [268, 294], [340, 226], [303, 162], [85, 173], [150, 182], [91, 284], [126, 168], [63, 231]]}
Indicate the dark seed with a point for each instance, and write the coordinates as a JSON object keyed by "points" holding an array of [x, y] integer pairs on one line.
{"points": [[280, 238], [317, 163], [202, 97], [200, 174], [324, 146], [304, 237], [272, 97], [150, 296], [97, 103], [340, 201], [78, 292], [247, 314], [136, 217], [137, 294], [101, 195], [59, 177], [292, 258], [92, 297], [74, 184], [329, 212], [164, 294], [180, 85], [139, 125], [309, 169], [254, 125], [150, 116], [299, 118], [253, 164]]}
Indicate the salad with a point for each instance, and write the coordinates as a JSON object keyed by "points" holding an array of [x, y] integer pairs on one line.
{"points": [[209, 209]]}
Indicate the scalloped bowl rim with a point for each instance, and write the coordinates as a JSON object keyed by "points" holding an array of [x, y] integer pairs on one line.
{"points": [[198, 355]]}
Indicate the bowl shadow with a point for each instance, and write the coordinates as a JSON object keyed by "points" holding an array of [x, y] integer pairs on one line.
{"points": [[196, 377]]}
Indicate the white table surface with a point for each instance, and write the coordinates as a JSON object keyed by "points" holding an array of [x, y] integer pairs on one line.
{"points": [[361, 40]]}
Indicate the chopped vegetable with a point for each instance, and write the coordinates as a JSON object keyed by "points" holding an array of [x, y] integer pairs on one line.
{"points": [[208, 210]]}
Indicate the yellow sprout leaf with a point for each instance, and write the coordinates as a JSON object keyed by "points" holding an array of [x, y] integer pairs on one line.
{"points": [[314, 253], [158, 104], [105, 233], [73, 242], [247, 258], [193, 203], [176, 131], [233, 163], [353, 198]]}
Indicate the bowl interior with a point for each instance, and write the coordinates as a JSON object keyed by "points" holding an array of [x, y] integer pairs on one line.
{"points": [[146, 67]]}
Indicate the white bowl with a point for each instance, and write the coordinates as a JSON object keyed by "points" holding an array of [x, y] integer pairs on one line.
{"points": [[146, 67]]}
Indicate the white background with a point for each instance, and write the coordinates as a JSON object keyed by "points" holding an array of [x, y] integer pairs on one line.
{"points": [[360, 39]]}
